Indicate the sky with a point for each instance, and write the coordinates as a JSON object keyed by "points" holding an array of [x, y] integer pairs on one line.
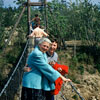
{"points": [[8, 3]]}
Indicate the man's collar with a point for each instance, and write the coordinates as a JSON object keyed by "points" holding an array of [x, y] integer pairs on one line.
{"points": [[48, 54]]}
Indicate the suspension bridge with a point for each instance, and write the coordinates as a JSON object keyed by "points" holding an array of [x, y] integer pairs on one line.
{"points": [[12, 88]]}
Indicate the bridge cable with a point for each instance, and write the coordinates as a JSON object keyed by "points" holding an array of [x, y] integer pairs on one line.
{"points": [[62, 96], [17, 22], [73, 87], [14, 70]]}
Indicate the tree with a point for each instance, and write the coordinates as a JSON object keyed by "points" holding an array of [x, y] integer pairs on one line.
{"points": [[1, 3]]}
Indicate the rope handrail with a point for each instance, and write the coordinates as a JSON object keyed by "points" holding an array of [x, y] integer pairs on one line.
{"points": [[62, 96], [73, 87], [14, 70]]}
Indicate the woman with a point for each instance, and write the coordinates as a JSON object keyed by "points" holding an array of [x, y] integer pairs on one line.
{"points": [[42, 76]]}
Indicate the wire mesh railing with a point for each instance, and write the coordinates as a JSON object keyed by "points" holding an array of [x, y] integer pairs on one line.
{"points": [[14, 82]]}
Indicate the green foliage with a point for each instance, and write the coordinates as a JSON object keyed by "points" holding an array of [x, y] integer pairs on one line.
{"points": [[1, 3], [2, 28], [74, 61], [78, 20], [72, 67], [98, 67], [91, 70], [92, 52], [9, 17], [81, 69], [11, 58], [75, 97], [82, 57]]}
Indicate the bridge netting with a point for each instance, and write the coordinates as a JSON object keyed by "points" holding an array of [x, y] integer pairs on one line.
{"points": [[13, 84]]}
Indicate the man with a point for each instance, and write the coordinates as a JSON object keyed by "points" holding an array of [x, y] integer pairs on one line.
{"points": [[36, 21], [37, 33], [51, 54], [63, 69]]}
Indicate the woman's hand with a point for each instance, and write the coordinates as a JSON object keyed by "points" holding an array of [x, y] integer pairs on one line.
{"points": [[27, 69], [65, 79], [59, 69], [52, 63]]}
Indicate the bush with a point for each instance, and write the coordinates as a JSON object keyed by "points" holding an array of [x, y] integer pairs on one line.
{"points": [[82, 57], [98, 67], [71, 67], [81, 69], [74, 61], [75, 97]]}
